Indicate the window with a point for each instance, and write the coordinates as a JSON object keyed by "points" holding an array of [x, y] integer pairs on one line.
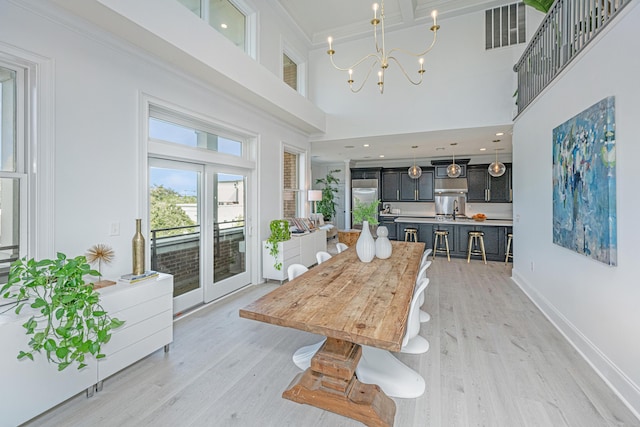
{"points": [[160, 128], [12, 176], [227, 17], [289, 71], [292, 203], [505, 26]]}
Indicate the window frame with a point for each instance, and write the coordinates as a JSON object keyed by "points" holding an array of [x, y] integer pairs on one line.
{"points": [[299, 192], [34, 149], [301, 65]]}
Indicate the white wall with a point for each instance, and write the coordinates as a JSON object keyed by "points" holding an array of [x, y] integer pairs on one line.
{"points": [[97, 166], [464, 85], [596, 306]]}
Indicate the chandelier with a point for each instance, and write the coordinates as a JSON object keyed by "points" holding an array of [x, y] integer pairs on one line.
{"points": [[382, 56]]}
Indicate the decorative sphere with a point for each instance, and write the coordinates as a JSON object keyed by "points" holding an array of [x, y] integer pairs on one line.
{"points": [[454, 170], [497, 169]]}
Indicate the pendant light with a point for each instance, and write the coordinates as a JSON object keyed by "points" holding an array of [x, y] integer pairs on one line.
{"points": [[415, 171], [497, 168], [453, 170]]}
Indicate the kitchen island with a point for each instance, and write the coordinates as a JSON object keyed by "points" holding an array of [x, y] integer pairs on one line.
{"points": [[495, 232]]}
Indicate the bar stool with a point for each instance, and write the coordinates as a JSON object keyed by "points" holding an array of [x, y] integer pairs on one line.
{"points": [[509, 252], [475, 238], [410, 233], [440, 236]]}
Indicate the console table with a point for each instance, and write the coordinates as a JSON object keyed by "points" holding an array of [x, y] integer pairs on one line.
{"points": [[32, 387]]}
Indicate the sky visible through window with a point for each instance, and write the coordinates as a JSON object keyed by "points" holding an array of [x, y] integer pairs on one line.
{"points": [[185, 182]]}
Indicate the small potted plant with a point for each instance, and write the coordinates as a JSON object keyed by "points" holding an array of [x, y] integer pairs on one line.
{"points": [[279, 233], [365, 214], [68, 322]]}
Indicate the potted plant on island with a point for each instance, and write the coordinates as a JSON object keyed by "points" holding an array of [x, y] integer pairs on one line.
{"points": [[279, 233], [67, 320], [365, 214], [327, 206]]}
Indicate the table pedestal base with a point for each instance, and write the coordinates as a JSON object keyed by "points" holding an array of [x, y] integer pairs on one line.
{"points": [[330, 384]]}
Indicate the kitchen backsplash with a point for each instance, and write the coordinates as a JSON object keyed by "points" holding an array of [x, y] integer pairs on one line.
{"points": [[492, 210]]}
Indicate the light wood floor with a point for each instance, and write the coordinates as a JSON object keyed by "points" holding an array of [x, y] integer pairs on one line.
{"points": [[494, 361]]}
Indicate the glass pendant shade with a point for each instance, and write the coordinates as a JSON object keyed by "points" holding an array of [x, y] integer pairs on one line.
{"points": [[453, 170], [497, 169], [415, 171]]}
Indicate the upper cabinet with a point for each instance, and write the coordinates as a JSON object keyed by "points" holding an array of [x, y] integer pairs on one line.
{"points": [[398, 186], [365, 173], [486, 188]]}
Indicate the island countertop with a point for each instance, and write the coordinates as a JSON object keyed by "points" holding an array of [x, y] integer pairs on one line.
{"points": [[459, 221]]}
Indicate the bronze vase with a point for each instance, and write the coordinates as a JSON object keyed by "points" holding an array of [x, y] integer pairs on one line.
{"points": [[138, 249]]}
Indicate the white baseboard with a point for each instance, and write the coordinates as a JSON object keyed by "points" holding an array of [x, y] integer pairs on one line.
{"points": [[621, 385]]}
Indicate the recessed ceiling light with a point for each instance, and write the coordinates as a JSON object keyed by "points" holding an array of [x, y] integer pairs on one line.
{"points": [[349, 146], [381, 155], [499, 133], [483, 149], [453, 143], [365, 145], [439, 148], [223, 26], [496, 140]]}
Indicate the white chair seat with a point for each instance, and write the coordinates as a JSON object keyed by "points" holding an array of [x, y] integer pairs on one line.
{"points": [[296, 270], [424, 316], [412, 342], [382, 368], [322, 256], [302, 357]]}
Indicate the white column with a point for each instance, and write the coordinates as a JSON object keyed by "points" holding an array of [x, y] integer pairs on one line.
{"points": [[347, 194]]}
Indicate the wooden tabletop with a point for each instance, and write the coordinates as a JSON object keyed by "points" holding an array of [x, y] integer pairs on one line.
{"points": [[346, 299]]}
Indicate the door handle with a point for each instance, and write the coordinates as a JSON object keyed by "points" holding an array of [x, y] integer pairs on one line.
{"points": [[488, 194], [397, 194]]}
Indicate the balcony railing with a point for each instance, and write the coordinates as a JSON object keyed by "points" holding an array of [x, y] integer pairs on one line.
{"points": [[568, 27]]}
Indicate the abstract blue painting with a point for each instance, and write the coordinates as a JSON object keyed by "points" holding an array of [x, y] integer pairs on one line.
{"points": [[584, 183]]}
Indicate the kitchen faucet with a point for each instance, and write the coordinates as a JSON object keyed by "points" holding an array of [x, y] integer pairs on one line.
{"points": [[455, 209]]}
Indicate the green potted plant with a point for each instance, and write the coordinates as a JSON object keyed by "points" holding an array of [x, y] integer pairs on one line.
{"points": [[365, 212], [327, 206], [279, 233], [68, 322]]}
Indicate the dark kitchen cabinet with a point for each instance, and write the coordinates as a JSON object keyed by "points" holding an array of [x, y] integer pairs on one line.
{"points": [[365, 173], [390, 185], [486, 188], [398, 186]]}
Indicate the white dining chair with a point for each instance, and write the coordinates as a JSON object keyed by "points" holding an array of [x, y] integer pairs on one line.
{"points": [[296, 270], [425, 256], [302, 357], [381, 367], [341, 247], [424, 316], [412, 342], [322, 256]]}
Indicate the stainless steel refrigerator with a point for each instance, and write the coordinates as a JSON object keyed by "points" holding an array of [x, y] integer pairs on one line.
{"points": [[366, 191]]}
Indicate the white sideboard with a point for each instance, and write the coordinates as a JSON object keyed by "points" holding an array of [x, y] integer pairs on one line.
{"points": [[29, 388], [297, 250]]}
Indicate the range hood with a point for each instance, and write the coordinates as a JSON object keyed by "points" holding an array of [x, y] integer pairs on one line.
{"points": [[450, 185]]}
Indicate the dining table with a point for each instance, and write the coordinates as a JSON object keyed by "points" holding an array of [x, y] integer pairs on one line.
{"points": [[351, 303]]}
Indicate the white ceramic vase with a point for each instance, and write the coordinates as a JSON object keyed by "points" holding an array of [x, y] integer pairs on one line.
{"points": [[366, 245], [383, 245]]}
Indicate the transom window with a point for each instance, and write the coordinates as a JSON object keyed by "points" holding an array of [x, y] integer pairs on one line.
{"points": [[289, 71], [224, 16], [163, 130]]}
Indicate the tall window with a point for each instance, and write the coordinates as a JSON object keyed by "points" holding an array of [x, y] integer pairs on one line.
{"points": [[289, 71], [291, 179], [12, 176], [225, 16]]}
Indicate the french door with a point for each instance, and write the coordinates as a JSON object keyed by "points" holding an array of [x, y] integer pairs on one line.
{"points": [[198, 229]]}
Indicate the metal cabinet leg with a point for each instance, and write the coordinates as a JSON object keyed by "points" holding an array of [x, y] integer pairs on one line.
{"points": [[99, 386], [167, 347], [90, 390]]}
